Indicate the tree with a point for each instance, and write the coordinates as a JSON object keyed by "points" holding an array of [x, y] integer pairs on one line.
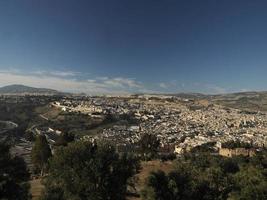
{"points": [[149, 145], [251, 184], [229, 165], [175, 185], [13, 176], [29, 136], [41, 152], [195, 177], [64, 139], [157, 187], [83, 170], [203, 176]]}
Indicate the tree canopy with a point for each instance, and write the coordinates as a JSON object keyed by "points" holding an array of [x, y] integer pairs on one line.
{"points": [[65, 138], [209, 177], [83, 170], [41, 152], [13, 176], [149, 145]]}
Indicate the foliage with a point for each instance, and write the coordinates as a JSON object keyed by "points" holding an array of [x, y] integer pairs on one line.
{"points": [[209, 177], [204, 148], [13, 176], [236, 144], [29, 136], [41, 152], [83, 170], [251, 184], [149, 145], [166, 157], [65, 138]]}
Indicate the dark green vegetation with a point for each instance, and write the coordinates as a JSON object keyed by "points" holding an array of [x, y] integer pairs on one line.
{"points": [[84, 170], [207, 177], [22, 111], [78, 124], [236, 144], [149, 145], [34, 111], [21, 114], [41, 152], [13, 176], [64, 139]]}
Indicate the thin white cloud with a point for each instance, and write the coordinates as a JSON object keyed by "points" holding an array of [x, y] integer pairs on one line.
{"points": [[63, 73], [122, 82], [67, 82], [206, 88], [56, 73], [245, 90], [103, 78], [91, 81], [76, 82], [163, 85], [209, 88]]}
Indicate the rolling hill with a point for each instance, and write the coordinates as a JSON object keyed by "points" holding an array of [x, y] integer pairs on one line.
{"points": [[252, 101], [22, 89]]}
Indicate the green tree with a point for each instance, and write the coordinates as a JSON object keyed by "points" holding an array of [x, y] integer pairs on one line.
{"points": [[64, 139], [13, 176], [212, 184], [251, 184], [41, 152], [83, 170], [149, 145], [174, 186], [229, 165], [157, 187], [197, 176]]}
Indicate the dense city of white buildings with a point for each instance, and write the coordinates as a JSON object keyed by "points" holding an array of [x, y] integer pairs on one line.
{"points": [[179, 123]]}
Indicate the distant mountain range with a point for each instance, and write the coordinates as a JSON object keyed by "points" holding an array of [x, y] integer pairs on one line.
{"points": [[22, 89]]}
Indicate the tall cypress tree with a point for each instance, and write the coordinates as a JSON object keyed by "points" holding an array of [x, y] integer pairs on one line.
{"points": [[41, 152]]}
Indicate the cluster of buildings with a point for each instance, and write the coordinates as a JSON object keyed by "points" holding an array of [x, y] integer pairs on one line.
{"points": [[179, 124], [236, 152]]}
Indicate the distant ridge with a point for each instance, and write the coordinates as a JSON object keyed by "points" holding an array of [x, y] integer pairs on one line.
{"points": [[22, 89]]}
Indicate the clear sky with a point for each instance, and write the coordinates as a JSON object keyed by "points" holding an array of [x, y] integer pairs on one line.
{"points": [[120, 46]]}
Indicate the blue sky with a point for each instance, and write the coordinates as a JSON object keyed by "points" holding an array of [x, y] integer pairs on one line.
{"points": [[118, 46]]}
